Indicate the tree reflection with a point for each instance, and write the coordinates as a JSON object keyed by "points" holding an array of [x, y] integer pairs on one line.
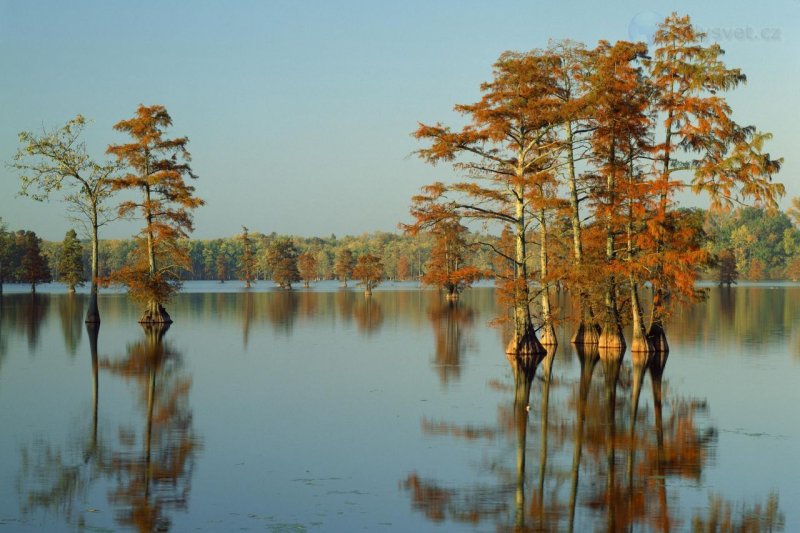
{"points": [[475, 504], [70, 312], [282, 311], [247, 316], [623, 458], [55, 479], [368, 315], [153, 476], [450, 320]]}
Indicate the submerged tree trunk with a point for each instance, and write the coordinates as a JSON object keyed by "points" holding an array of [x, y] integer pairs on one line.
{"points": [[155, 314], [452, 293], [524, 341], [657, 335], [93, 313], [639, 340]]}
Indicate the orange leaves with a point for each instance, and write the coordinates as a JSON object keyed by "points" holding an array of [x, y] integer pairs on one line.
{"points": [[368, 271], [158, 167]]}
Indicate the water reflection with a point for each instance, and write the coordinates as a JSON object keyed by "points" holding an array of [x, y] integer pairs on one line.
{"points": [[23, 314], [57, 479], [628, 455], [581, 440], [147, 472], [368, 315], [70, 313], [451, 321], [152, 472]]}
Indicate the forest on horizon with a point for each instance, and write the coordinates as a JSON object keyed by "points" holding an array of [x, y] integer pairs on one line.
{"points": [[765, 244]]}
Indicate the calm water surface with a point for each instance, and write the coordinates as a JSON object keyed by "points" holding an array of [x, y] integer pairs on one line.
{"points": [[322, 410]]}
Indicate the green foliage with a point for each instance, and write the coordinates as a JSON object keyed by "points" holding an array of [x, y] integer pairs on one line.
{"points": [[33, 266], [70, 265], [764, 242]]}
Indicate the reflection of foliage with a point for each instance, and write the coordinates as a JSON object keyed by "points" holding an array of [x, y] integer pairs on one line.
{"points": [[49, 480], [23, 313], [70, 311], [469, 506], [282, 310], [720, 517], [157, 477], [368, 316], [449, 320], [631, 455]]}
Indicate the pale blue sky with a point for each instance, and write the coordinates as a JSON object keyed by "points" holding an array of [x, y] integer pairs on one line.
{"points": [[299, 112]]}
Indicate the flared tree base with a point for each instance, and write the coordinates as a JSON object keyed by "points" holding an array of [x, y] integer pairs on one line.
{"points": [[93, 313], [155, 314], [548, 337], [611, 338], [526, 344], [641, 344], [658, 338], [586, 335]]}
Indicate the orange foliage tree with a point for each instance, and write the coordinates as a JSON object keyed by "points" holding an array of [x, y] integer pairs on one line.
{"points": [[157, 167], [508, 151], [447, 267], [725, 160], [344, 265], [307, 265], [368, 271]]}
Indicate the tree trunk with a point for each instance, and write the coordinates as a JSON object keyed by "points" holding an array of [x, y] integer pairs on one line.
{"points": [[451, 294], [155, 314], [305, 284], [639, 341], [524, 341], [548, 331], [611, 336], [93, 313], [587, 332], [656, 334], [93, 331]]}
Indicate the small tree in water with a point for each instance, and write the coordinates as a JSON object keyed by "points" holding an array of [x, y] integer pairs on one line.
{"points": [[282, 260], [447, 267], [368, 271], [307, 264], [70, 265], [33, 265], [58, 159], [158, 166], [344, 265]]}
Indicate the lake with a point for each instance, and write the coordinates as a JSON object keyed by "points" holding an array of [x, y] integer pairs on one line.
{"points": [[322, 410]]}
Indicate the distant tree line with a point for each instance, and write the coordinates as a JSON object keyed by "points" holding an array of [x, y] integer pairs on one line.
{"points": [[748, 243]]}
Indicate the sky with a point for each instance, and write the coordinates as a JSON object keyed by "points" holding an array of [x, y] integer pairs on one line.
{"points": [[299, 113]]}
